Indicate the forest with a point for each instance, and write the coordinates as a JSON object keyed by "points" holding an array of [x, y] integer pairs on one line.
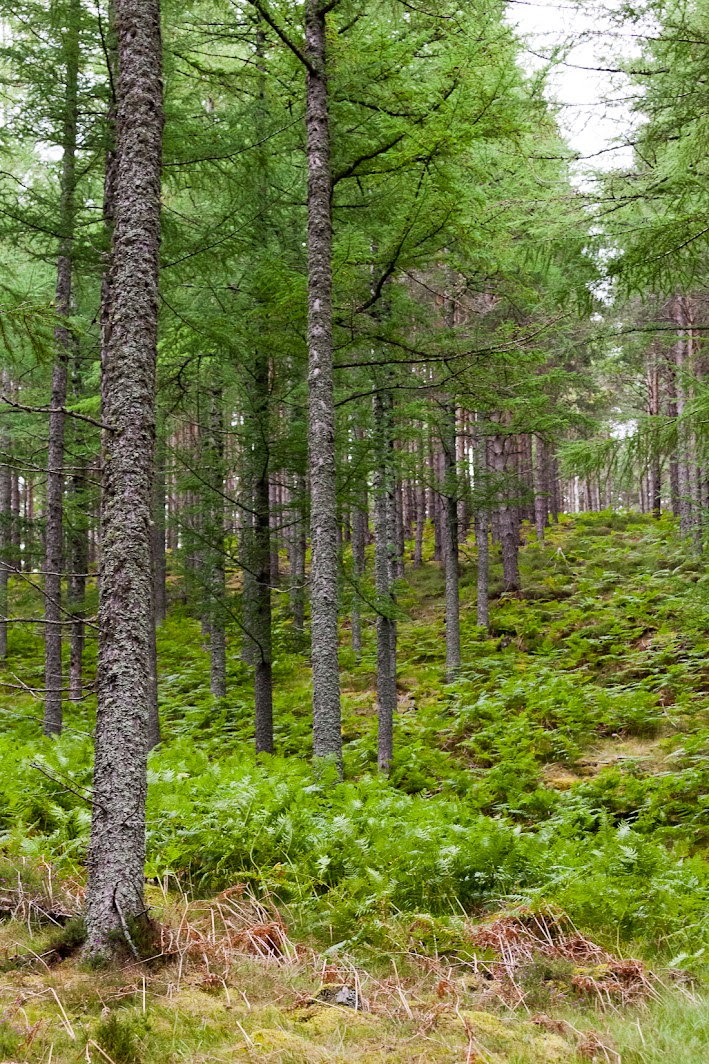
{"points": [[354, 513]]}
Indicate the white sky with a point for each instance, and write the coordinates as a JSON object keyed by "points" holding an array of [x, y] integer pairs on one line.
{"points": [[590, 120]]}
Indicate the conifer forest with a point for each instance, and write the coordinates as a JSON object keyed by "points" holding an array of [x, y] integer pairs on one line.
{"points": [[354, 533]]}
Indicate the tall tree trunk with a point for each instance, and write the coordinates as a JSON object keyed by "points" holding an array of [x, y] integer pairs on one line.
{"points": [[214, 551], [509, 514], [482, 522], [297, 587], [76, 583], [683, 368], [359, 534], [159, 538], [78, 541], [53, 674], [115, 899], [262, 560], [327, 727], [450, 543], [5, 530], [420, 504], [385, 557], [541, 490]]}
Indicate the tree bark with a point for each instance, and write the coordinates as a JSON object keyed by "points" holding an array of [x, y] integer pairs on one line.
{"points": [[385, 557], [115, 900], [359, 534], [297, 586], [5, 532], [213, 552], [261, 561], [450, 540], [76, 583], [541, 490], [327, 727], [482, 522], [420, 505], [159, 543], [53, 556], [684, 458]]}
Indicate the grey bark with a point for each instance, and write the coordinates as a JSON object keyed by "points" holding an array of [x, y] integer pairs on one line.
{"points": [[159, 539], [385, 562], [359, 535], [53, 555], [214, 551], [5, 532], [420, 498], [327, 727], [298, 548], [450, 543], [15, 512], [687, 516], [482, 523], [541, 487], [261, 561], [505, 459], [117, 844], [76, 583]]}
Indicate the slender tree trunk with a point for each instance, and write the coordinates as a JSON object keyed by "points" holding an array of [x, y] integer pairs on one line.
{"points": [[420, 505], [5, 532], [213, 552], [246, 553], [686, 516], [115, 899], [53, 557], [76, 584], [482, 523], [385, 554], [450, 541], [327, 728], [297, 589], [509, 519], [359, 533], [554, 489], [541, 499], [159, 544], [261, 562]]}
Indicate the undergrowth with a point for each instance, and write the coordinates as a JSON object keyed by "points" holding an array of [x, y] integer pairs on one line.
{"points": [[566, 765]]}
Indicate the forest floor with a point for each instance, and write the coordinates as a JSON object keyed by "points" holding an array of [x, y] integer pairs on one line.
{"points": [[531, 885]]}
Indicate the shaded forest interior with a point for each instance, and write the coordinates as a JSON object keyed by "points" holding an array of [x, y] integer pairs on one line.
{"points": [[354, 481]]}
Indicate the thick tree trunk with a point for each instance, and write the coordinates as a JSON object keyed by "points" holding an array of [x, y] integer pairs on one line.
{"points": [[327, 728], [115, 900], [450, 544], [385, 558], [53, 557]]}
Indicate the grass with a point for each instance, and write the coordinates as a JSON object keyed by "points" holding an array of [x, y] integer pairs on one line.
{"points": [[565, 767]]}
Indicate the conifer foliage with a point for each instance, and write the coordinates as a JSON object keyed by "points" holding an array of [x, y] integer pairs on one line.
{"points": [[299, 301]]}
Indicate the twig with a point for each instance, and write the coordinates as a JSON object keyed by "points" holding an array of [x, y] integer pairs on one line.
{"points": [[56, 410]]}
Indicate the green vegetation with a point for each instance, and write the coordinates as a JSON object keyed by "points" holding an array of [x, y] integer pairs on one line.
{"points": [[564, 768]]}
